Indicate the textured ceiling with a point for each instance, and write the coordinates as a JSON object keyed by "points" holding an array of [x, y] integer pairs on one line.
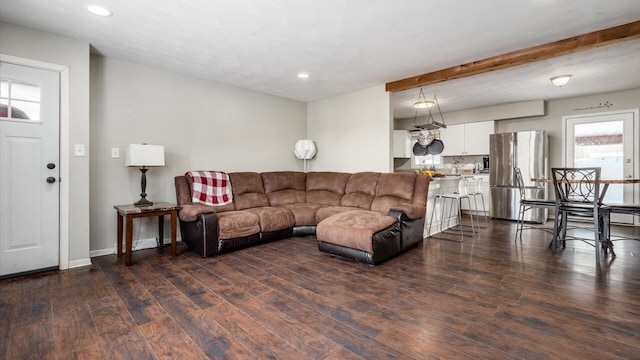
{"points": [[347, 45], [595, 71]]}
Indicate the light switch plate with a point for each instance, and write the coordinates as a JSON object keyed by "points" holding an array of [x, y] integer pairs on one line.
{"points": [[115, 153], [79, 150]]}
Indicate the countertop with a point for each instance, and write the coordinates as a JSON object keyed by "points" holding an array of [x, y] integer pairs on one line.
{"points": [[447, 177], [451, 177]]}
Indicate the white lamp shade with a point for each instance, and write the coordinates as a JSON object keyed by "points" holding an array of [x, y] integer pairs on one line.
{"points": [[144, 155], [305, 149]]}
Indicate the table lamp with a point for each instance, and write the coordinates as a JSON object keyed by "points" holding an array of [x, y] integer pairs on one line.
{"points": [[144, 155]]}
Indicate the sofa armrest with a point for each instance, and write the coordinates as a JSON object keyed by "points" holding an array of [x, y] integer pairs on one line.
{"points": [[201, 234], [398, 214], [190, 212], [411, 230], [411, 211]]}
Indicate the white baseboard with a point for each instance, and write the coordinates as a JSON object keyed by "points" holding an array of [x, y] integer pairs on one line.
{"points": [[102, 252], [79, 263], [141, 244]]}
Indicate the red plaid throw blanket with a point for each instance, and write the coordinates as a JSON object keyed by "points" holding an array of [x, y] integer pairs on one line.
{"points": [[210, 187]]}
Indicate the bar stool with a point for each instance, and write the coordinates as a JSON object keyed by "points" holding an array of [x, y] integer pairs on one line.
{"points": [[475, 191], [456, 199]]}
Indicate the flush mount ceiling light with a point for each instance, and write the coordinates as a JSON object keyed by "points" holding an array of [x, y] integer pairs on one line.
{"points": [[303, 75], [561, 80], [424, 104], [99, 10]]}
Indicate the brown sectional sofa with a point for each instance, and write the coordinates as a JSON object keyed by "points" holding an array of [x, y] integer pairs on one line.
{"points": [[365, 216]]}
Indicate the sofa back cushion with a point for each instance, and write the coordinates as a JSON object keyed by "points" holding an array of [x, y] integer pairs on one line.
{"points": [[284, 187], [393, 189], [326, 187], [420, 190], [183, 190], [248, 190], [360, 190]]}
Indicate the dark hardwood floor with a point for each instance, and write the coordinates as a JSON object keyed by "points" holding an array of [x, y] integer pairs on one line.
{"points": [[488, 298]]}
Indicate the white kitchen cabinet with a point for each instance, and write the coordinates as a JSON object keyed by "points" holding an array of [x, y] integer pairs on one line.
{"points": [[467, 139], [401, 144], [453, 139]]}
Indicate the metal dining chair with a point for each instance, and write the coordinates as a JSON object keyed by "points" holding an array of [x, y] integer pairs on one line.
{"points": [[578, 194], [528, 204], [628, 209]]}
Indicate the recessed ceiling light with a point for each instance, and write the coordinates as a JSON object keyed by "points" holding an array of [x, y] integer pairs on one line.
{"points": [[303, 75], [99, 10]]}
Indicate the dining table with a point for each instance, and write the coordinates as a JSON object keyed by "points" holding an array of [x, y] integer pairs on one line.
{"points": [[603, 191], [604, 182]]}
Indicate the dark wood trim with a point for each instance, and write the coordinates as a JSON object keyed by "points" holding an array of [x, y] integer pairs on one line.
{"points": [[610, 36]]}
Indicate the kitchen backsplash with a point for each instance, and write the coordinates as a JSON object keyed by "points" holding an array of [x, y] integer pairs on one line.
{"points": [[449, 163]]}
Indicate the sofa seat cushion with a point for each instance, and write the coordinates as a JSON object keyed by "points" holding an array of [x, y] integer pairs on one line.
{"points": [[328, 211], [353, 229], [273, 218], [304, 213], [237, 224]]}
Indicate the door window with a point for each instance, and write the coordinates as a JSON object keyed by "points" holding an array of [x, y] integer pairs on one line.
{"points": [[609, 141], [19, 100], [600, 144]]}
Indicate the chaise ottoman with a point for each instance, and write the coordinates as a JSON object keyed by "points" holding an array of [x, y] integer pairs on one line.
{"points": [[369, 237]]}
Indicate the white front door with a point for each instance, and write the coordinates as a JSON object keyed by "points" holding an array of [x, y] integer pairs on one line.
{"points": [[609, 141], [29, 168]]}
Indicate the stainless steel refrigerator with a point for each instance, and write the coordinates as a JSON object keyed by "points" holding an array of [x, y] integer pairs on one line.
{"points": [[527, 150]]}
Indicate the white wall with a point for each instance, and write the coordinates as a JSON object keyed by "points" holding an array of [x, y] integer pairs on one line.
{"points": [[556, 109], [203, 125], [514, 110], [352, 131], [30, 44], [551, 121]]}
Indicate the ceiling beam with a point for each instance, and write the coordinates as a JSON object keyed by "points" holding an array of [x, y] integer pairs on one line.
{"points": [[630, 31]]}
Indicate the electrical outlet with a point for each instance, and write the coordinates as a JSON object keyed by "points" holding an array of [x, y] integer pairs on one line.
{"points": [[79, 150], [115, 153]]}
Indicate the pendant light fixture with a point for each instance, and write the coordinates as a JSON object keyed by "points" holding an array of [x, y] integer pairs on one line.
{"points": [[428, 136], [435, 120]]}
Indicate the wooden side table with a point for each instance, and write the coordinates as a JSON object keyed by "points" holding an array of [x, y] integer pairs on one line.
{"points": [[159, 209]]}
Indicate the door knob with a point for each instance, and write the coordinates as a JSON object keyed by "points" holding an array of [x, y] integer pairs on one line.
{"points": [[51, 179], [51, 166]]}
